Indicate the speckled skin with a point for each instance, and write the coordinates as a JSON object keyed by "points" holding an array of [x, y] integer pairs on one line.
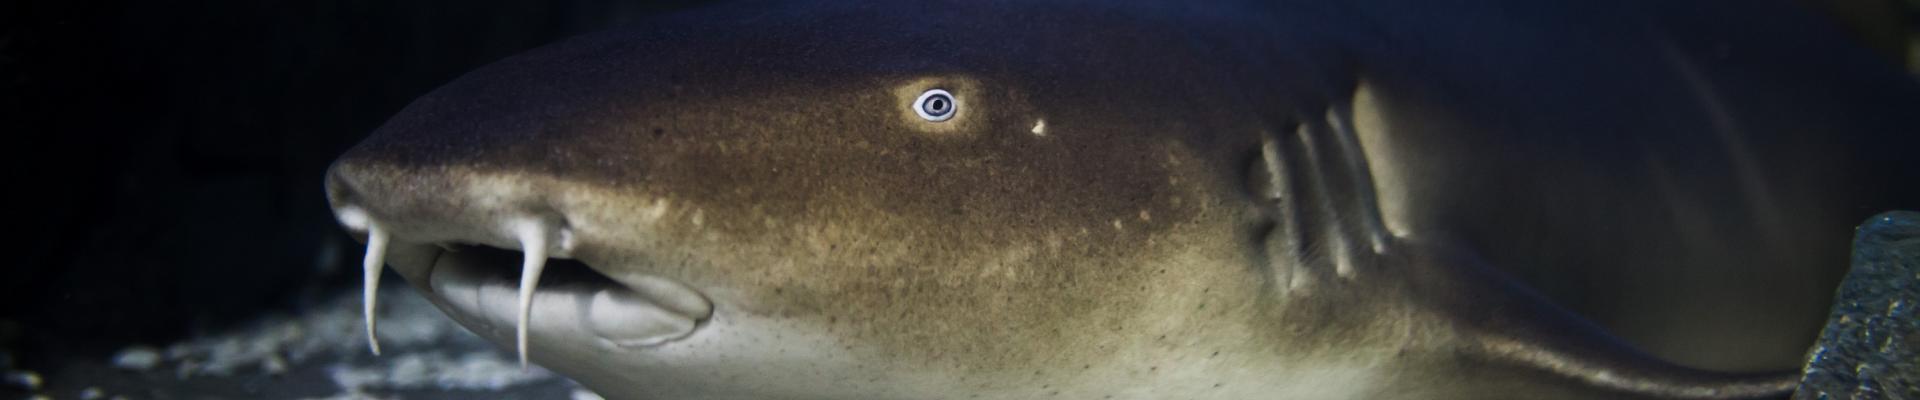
{"points": [[1219, 201]]}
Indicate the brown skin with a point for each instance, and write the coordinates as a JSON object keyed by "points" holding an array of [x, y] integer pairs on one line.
{"points": [[828, 201], [770, 159]]}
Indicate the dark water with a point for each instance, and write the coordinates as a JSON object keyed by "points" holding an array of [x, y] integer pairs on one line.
{"points": [[167, 158]]}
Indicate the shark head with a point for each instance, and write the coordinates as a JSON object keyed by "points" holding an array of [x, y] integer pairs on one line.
{"points": [[923, 200]]}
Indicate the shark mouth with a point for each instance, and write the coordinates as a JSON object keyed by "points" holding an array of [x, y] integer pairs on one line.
{"points": [[626, 310]]}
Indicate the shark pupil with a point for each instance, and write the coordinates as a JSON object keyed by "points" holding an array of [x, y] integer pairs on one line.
{"points": [[935, 105]]}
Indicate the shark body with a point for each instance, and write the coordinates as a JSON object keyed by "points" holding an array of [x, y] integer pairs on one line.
{"points": [[1119, 200]]}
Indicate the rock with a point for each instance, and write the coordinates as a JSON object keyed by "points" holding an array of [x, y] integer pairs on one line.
{"points": [[23, 379], [137, 358], [583, 394], [1870, 348], [274, 365]]}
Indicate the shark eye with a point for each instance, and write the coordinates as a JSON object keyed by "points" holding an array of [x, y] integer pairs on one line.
{"points": [[935, 105]]}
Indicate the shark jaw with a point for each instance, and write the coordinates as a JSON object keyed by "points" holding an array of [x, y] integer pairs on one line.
{"points": [[515, 290]]}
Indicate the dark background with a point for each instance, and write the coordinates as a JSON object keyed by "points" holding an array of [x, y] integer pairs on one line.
{"points": [[164, 158]]}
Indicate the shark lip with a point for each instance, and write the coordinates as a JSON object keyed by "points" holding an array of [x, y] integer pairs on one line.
{"points": [[480, 284]]}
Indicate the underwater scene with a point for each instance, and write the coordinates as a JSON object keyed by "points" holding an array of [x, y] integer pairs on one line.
{"points": [[1039, 199]]}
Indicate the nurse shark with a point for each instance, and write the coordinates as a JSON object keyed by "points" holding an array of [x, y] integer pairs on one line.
{"points": [[1056, 199]]}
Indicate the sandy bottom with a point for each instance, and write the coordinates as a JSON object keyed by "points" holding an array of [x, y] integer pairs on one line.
{"points": [[319, 354]]}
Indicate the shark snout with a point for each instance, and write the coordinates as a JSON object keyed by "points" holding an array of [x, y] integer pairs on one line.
{"points": [[480, 223], [445, 204]]}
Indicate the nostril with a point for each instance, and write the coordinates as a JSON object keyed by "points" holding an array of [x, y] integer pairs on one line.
{"points": [[353, 218], [434, 204], [346, 201]]}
